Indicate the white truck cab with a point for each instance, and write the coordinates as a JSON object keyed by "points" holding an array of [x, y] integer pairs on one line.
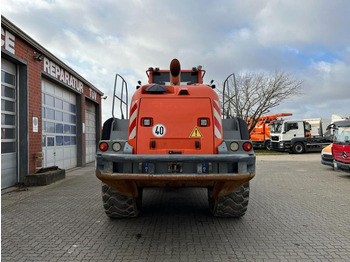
{"points": [[291, 135]]}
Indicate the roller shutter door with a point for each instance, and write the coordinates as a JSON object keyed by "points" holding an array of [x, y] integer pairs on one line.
{"points": [[9, 175], [90, 134], [59, 121]]}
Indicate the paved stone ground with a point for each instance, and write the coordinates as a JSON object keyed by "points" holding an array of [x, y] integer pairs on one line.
{"points": [[299, 210]]}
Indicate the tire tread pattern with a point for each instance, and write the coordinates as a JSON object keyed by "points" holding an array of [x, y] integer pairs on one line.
{"points": [[234, 204], [117, 205]]}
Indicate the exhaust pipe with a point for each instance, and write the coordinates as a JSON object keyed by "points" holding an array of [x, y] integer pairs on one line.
{"points": [[175, 70]]}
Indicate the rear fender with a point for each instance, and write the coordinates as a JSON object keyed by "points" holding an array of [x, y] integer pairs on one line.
{"points": [[235, 129], [115, 129]]}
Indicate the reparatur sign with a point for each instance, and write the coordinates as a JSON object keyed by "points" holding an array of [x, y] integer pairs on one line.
{"points": [[62, 75]]}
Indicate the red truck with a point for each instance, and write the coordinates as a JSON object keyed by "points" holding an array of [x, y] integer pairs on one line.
{"points": [[341, 146]]}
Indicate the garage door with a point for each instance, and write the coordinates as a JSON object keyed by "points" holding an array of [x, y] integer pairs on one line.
{"points": [[90, 133], [9, 175], [59, 139]]}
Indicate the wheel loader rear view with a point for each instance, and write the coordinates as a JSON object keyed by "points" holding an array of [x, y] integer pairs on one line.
{"points": [[175, 137]]}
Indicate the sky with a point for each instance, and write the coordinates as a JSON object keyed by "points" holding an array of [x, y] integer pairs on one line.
{"points": [[309, 40]]}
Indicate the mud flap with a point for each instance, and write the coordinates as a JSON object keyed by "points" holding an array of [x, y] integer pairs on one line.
{"points": [[224, 188]]}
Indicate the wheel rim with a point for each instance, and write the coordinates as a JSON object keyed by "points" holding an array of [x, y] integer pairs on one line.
{"points": [[299, 148]]}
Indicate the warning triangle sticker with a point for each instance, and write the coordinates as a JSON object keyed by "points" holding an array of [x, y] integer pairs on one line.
{"points": [[196, 133]]}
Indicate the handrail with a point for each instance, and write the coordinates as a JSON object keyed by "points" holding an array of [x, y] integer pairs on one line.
{"points": [[121, 98], [229, 101]]}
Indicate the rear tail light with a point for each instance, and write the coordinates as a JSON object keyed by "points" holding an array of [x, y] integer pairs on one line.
{"points": [[103, 146], [203, 122], [234, 146], [146, 121], [247, 146], [116, 146]]}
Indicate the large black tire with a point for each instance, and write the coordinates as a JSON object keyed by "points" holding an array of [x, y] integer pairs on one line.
{"points": [[298, 148], [234, 204], [119, 206], [268, 145]]}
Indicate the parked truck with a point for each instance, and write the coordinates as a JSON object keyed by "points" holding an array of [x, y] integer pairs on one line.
{"points": [[341, 146], [260, 135], [327, 156], [175, 137], [294, 136], [318, 127], [326, 153]]}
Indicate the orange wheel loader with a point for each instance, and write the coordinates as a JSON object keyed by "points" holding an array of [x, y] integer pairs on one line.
{"points": [[174, 137]]}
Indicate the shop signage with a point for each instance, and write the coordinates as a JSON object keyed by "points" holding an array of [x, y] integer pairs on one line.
{"points": [[7, 41], [93, 94], [62, 75]]}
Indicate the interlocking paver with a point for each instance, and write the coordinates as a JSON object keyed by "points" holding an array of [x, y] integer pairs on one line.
{"points": [[298, 211]]}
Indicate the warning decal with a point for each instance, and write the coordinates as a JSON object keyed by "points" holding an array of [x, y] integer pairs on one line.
{"points": [[195, 133]]}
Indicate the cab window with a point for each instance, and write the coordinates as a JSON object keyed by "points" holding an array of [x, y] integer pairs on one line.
{"points": [[291, 126]]}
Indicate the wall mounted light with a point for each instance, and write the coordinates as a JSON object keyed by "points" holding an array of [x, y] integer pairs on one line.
{"points": [[38, 57]]}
